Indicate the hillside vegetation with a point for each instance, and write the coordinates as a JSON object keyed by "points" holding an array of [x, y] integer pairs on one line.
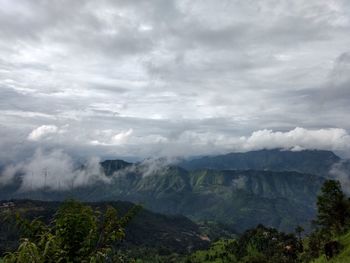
{"points": [[344, 255], [146, 232], [60, 238]]}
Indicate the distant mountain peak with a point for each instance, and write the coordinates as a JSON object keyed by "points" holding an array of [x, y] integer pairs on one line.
{"points": [[317, 162], [111, 166]]}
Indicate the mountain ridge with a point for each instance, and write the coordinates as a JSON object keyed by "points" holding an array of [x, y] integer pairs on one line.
{"points": [[304, 161], [242, 198]]}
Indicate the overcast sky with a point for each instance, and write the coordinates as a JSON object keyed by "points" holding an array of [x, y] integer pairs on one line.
{"points": [[153, 78]]}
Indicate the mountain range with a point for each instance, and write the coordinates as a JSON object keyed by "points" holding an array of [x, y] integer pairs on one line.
{"points": [[273, 187], [315, 162]]}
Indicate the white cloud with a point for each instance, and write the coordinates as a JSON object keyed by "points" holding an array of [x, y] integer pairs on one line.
{"points": [[121, 137], [295, 140], [104, 138], [56, 170], [41, 132], [189, 77], [299, 138]]}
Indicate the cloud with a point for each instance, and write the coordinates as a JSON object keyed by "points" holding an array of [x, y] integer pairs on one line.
{"points": [[122, 137], [341, 172], [299, 138], [54, 170], [57, 170], [153, 166], [152, 78], [42, 131], [8, 175], [296, 139], [191, 143], [115, 139]]}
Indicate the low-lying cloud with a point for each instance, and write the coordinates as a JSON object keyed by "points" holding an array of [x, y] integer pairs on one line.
{"points": [[341, 172], [54, 170], [190, 142], [57, 170], [195, 143]]}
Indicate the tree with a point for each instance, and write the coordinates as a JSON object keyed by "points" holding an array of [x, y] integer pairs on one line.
{"points": [[333, 211], [298, 230], [77, 234]]}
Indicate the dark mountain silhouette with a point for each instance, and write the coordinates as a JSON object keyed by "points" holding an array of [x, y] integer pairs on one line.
{"points": [[306, 161]]}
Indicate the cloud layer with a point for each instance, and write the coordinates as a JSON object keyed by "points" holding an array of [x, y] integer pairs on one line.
{"points": [[54, 170], [145, 78], [40, 132]]}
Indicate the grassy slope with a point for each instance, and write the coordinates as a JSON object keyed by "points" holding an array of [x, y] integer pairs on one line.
{"points": [[343, 257]]}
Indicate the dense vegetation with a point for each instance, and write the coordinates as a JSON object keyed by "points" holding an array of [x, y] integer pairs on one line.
{"points": [[330, 239], [147, 234], [77, 233]]}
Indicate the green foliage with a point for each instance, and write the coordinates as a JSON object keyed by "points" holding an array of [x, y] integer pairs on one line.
{"points": [[27, 252], [259, 245], [215, 231], [76, 234], [147, 235], [255, 258], [75, 230], [344, 255], [313, 245], [332, 220], [221, 251], [333, 207], [262, 242]]}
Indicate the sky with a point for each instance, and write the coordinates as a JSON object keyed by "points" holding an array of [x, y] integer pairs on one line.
{"points": [[137, 78]]}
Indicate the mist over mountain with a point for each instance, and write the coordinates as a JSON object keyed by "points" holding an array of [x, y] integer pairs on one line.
{"points": [[231, 113], [275, 187]]}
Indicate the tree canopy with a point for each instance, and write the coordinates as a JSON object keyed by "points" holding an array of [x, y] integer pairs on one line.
{"points": [[333, 207], [77, 233]]}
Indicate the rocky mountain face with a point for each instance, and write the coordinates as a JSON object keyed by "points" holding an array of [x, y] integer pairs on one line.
{"points": [[241, 198]]}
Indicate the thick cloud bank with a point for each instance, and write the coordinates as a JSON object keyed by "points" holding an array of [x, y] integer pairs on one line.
{"points": [[298, 139], [190, 143], [53, 170], [57, 170], [183, 77]]}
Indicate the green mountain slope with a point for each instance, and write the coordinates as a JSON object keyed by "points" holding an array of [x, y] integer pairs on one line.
{"points": [[242, 199]]}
